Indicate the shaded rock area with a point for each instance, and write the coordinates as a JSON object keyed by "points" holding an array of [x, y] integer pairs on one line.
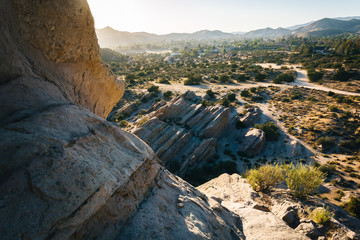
{"points": [[182, 132]]}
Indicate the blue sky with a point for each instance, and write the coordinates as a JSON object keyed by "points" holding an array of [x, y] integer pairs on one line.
{"points": [[166, 16]]}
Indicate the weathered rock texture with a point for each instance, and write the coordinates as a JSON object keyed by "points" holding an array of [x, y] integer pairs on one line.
{"points": [[50, 49], [253, 142], [65, 172], [233, 193], [183, 133]]}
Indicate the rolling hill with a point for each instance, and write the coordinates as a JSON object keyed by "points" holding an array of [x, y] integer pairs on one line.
{"points": [[109, 37]]}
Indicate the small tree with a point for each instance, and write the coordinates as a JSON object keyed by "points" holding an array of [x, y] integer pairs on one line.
{"points": [[303, 180], [265, 177]]}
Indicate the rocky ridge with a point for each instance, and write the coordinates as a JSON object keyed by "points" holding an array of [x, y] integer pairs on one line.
{"points": [[183, 133]]}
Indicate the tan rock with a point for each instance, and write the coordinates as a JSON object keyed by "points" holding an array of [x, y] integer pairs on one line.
{"points": [[236, 195], [253, 142], [251, 117]]}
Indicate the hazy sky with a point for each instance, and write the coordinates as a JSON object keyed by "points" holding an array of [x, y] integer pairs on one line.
{"points": [[166, 16]]}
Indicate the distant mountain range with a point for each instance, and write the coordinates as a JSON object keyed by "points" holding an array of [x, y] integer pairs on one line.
{"points": [[109, 37]]}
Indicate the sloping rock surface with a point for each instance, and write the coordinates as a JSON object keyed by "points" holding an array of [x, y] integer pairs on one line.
{"points": [[233, 193], [65, 172], [182, 132]]}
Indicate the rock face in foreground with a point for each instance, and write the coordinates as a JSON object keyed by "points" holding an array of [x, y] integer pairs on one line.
{"points": [[65, 172], [233, 193], [183, 133]]}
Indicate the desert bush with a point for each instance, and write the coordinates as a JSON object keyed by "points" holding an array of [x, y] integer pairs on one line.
{"points": [[142, 121], [270, 129], [341, 75], [193, 80], [328, 169], [265, 177], [321, 215], [242, 78], [333, 108], [259, 77], [225, 102], [224, 78], [353, 206], [167, 94], [123, 123], [303, 179], [153, 89], [245, 93], [326, 142], [315, 76], [231, 97], [210, 93], [164, 81], [284, 77]]}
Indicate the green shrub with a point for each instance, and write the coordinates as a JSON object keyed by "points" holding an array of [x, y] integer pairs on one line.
{"points": [[242, 78], [303, 179], [142, 121], [353, 206], [123, 123], [284, 77], [315, 76], [328, 169], [333, 108], [193, 80], [167, 94], [270, 129], [259, 77], [231, 97], [321, 215], [326, 142], [224, 78], [164, 81], [245, 93], [265, 177], [210, 93], [341, 75], [153, 89], [225, 102]]}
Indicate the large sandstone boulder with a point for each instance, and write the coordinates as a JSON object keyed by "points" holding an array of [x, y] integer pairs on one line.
{"points": [[251, 117], [66, 173], [253, 142]]}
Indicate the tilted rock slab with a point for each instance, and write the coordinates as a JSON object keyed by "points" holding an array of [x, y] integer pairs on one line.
{"points": [[65, 172]]}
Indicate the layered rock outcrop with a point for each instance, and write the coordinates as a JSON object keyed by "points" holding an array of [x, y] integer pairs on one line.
{"points": [[183, 133]]}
